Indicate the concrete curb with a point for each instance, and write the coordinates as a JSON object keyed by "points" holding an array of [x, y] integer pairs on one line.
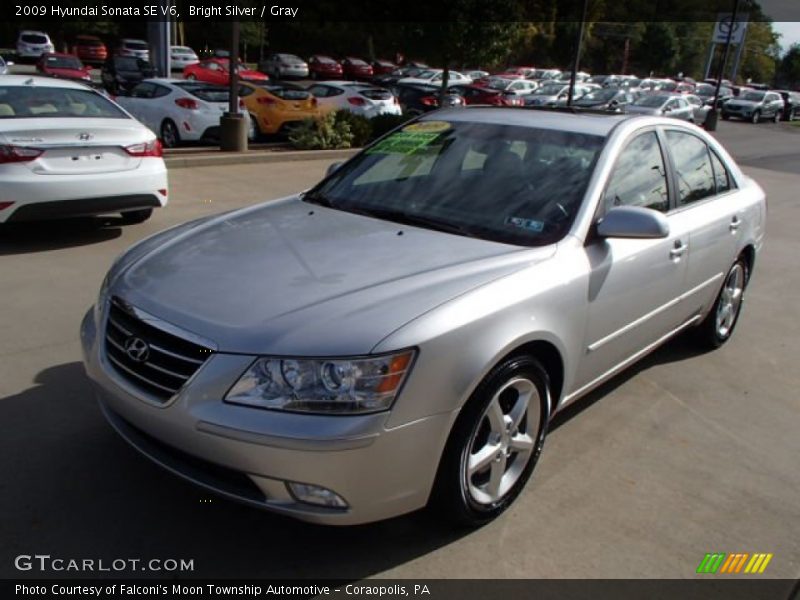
{"points": [[214, 159]]}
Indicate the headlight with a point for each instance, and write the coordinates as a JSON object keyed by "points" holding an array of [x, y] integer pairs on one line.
{"points": [[332, 386]]}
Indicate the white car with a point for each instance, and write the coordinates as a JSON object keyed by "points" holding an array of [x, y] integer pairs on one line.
{"points": [[135, 48], [359, 98], [4, 66], [66, 151], [32, 44], [434, 76], [182, 56], [178, 110]]}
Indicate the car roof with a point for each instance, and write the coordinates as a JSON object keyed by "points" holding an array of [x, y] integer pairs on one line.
{"points": [[33, 80], [32, 31], [589, 123]]}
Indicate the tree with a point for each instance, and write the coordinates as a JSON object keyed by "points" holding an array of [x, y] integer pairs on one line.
{"points": [[788, 74]]}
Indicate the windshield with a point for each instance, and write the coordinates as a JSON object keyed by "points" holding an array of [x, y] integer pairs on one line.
{"points": [[704, 90], [17, 102], [603, 95], [549, 90], [63, 62], [651, 101], [326, 60], [33, 38], [182, 50], [753, 96], [516, 185]]}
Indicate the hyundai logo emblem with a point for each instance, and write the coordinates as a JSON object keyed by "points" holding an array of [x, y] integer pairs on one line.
{"points": [[137, 349], [85, 137]]}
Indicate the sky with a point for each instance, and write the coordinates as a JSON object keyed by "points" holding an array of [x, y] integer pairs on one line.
{"points": [[790, 31]]}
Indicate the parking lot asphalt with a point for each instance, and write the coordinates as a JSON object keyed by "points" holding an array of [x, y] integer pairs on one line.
{"points": [[684, 454]]}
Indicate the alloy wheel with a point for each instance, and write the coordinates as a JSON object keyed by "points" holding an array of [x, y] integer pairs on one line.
{"points": [[730, 301], [502, 443]]}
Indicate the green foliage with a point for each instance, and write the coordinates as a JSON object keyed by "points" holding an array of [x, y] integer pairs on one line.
{"points": [[323, 133], [789, 69], [359, 126]]}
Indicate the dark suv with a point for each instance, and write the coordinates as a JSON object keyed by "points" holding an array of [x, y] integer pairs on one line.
{"points": [[791, 104], [121, 73]]}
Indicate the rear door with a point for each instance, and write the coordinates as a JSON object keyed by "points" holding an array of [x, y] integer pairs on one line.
{"points": [[635, 285], [708, 199]]}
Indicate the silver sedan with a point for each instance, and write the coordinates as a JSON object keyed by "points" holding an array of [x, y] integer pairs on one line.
{"points": [[402, 334]]}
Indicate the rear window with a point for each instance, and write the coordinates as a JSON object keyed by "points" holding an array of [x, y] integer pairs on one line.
{"points": [[204, 91], [376, 94], [17, 102], [136, 45], [285, 93], [63, 62], [33, 38]]}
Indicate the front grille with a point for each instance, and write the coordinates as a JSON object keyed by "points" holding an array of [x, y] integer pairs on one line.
{"points": [[169, 360]]}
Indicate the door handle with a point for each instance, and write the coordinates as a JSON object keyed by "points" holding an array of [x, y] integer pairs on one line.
{"points": [[735, 223], [678, 250]]}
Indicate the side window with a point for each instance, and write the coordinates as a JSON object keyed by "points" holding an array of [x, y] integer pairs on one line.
{"points": [[334, 92], [639, 178], [721, 175], [142, 90], [318, 91], [159, 91], [692, 165]]}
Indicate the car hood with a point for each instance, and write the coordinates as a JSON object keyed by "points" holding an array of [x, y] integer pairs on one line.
{"points": [[292, 278]]}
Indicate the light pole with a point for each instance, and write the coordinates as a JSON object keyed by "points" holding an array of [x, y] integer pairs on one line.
{"points": [[233, 125], [576, 60]]}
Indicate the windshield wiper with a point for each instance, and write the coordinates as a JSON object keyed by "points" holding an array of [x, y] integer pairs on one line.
{"points": [[317, 198], [413, 219]]}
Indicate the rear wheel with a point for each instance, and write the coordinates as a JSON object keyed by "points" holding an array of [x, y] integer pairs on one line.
{"points": [[170, 137], [132, 217], [494, 444], [717, 327], [756, 117]]}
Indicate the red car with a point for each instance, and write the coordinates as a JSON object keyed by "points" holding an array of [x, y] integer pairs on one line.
{"points": [[383, 67], [215, 70], [474, 94], [63, 66], [355, 68], [324, 67], [90, 49]]}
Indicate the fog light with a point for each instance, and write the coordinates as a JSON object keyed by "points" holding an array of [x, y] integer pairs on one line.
{"points": [[315, 494]]}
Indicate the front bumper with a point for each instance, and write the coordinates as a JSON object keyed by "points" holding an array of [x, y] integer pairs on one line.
{"points": [[249, 454]]}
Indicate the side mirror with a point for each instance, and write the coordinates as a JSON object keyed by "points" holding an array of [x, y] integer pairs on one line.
{"points": [[333, 168], [633, 222]]}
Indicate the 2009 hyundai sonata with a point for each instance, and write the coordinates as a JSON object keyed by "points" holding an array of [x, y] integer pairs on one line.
{"points": [[401, 334]]}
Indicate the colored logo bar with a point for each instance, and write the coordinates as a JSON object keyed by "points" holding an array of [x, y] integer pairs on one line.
{"points": [[737, 562]]}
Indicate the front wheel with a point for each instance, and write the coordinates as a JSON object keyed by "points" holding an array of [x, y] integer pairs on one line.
{"points": [[494, 444], [755, 118], [717, 327]]}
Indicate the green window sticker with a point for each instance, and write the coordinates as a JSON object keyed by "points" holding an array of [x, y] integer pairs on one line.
{"points": [[404, 142]]}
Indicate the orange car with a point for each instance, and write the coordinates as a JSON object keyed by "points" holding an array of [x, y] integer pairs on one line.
{"points": [[276, 107]]}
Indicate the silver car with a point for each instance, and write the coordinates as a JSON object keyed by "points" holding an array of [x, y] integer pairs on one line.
{"points": [[402, 334], [282, 66], [669, 105]]}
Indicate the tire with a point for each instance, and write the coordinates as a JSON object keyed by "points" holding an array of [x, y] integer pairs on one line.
{"points": [[132, 217], [254, 131], [474, 487], [756, 117], [718, 326], [170, 137], [725, 116]]}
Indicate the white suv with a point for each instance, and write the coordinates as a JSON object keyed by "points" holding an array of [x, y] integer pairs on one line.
{"points": [[135, 48], [32, 44]]}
